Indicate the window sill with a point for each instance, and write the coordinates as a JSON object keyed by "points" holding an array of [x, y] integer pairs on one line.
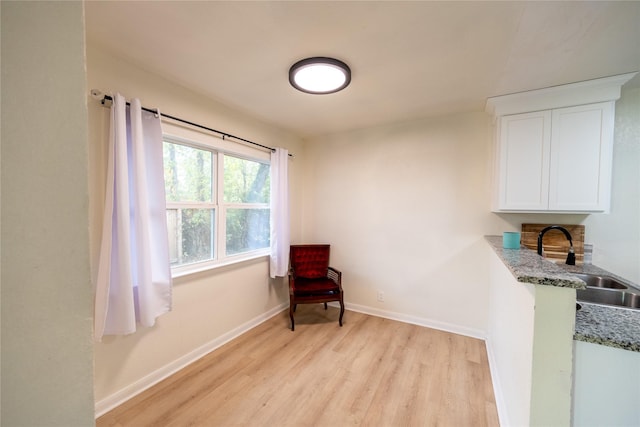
{"points": [[187, 270]]}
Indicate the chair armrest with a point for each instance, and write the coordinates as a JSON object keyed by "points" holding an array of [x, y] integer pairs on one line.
{"points": [[292, 278], [335, 275]]}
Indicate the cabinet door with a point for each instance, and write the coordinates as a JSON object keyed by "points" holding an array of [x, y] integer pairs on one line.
{"points": [[524, 147], [580, 164]]}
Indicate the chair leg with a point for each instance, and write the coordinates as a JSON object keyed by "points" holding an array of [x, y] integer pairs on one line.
{"points": [[325, 305], [341, 311], [292, 308]]}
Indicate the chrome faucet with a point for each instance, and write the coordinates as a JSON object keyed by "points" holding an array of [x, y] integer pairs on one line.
{"points": [[571, 257]]}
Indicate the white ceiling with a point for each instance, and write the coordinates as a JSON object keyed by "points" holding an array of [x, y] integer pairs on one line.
{"points": [[409, 59]]}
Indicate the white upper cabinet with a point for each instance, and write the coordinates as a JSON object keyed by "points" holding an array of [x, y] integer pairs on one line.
{"points": [[524, 150], [554, 147], [581, 155]]}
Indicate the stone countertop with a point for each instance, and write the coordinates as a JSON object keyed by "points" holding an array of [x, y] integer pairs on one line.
{"points": [[529, 267], [611, 326], [598, 324]]}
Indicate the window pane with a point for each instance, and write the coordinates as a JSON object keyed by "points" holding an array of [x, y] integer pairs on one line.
{"points": [[247, 230], [191, 235], [187, 173], [245, 181]]}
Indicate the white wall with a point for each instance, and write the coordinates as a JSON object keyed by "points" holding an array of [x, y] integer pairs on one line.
{"points": [[616, 236], [47, 311], [209, 307], [405, 208]]}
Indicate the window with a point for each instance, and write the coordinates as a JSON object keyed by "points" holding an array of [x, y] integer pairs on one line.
{"points": [[246, 203], [217, 204]]}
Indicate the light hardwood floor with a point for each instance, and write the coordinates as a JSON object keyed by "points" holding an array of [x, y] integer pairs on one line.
{"points": [[370, 372]]}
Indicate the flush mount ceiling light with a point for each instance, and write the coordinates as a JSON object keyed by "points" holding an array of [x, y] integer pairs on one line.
{"points": [[319, 75]]}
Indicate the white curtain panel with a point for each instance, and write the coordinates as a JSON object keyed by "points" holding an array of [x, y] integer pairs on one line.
{"points": [[279, 261], [134, 276]]}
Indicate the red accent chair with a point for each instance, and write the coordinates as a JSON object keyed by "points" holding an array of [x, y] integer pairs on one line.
{"points": [[311, 280]]}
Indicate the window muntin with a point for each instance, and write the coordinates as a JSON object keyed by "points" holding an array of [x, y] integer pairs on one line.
{"points": [[217, 204]]}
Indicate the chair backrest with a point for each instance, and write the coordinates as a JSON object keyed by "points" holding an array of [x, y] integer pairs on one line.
{"points": [[309, 261]]}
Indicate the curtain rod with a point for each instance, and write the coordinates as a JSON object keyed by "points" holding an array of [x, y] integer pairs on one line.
{"points": [[168, 116]]}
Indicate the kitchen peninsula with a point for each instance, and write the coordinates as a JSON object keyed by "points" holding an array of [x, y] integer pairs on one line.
{"points": [[532, 327], [596, 324]]}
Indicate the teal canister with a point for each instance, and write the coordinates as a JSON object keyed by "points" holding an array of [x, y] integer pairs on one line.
{"points": [[511, 240]]}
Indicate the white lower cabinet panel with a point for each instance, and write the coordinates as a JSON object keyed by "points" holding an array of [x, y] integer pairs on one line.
{"points": [[606, 386]]}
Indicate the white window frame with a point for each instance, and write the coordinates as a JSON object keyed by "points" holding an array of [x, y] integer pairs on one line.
{"points": [[223, 206], [219, 148]]}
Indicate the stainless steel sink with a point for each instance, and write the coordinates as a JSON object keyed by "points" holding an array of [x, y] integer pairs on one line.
{"points": [[631, 300], [602, 289], [607, 296], [597, 281]]}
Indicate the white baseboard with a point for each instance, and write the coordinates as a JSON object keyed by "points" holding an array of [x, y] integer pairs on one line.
{"points": [[497, 390], [108, 403], [415, 320]]}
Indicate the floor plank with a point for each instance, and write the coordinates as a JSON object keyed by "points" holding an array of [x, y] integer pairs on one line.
{"points": [[370, 372]]}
